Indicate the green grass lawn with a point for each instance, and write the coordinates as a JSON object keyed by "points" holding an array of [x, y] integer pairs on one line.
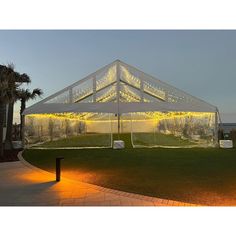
{"points": [[151, 139], [200, 176], [88, 140], [104, 140]]}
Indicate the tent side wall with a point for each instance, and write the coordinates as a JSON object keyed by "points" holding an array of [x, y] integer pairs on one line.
{"points": [[174, 130], [68, 130], [145, 129]]}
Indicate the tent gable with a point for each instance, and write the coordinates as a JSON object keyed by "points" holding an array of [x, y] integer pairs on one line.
{"points": [[121, 82]]}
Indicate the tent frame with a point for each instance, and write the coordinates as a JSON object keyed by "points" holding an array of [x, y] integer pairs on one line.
{"points": [[189, 104]]}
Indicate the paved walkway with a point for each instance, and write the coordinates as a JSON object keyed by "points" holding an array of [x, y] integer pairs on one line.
{"points": [[24, 185]]}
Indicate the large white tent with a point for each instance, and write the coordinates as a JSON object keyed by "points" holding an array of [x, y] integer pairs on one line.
{"points": [[119, 98]]}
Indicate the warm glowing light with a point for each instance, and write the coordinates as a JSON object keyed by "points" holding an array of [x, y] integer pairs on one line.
{"points": [[154, 91], [65, 189], [128, 77], [107, 79], [135, 116], [107, 96]]}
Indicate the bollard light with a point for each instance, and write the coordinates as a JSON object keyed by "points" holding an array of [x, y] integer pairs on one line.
{"points": [[58, 168]]}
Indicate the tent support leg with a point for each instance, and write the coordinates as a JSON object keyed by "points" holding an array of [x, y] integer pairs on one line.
{"points": [[118, 124], [216, 129]]}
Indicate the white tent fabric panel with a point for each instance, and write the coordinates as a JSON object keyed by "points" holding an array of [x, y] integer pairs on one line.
{"points": [[112, 108], [119, 88]]}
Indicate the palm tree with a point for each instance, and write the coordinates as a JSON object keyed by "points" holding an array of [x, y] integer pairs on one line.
{"points": [[16, 78], [25, 95], [6, 96]]}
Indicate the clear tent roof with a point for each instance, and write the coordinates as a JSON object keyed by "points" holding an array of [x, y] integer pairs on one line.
{"points": [[119, 88]]}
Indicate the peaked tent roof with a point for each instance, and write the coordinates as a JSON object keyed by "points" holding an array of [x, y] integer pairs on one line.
{"points": [[119, 88]]}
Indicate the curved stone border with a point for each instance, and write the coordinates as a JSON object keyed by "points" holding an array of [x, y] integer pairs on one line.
{"points": [[163, 202]]}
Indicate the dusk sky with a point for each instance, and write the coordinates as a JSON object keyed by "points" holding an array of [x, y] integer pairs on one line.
{"points": [[202, 63]]}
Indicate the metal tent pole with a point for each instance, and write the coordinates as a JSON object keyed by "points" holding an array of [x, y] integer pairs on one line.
{"points": [[216, 128], [118, 96]]}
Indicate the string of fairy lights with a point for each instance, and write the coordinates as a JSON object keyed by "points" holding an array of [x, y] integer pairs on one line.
{"points": [[84, 90], [127, 94]]}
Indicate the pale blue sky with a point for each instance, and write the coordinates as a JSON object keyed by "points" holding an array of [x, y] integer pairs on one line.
{"points": [[203, 63]]}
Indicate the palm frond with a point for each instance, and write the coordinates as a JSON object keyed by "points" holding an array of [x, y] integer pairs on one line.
{"points": [[11, 66], [25, 78], [25, 94], [38, 92]]}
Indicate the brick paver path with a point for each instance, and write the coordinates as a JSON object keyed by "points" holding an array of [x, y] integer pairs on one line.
{"points": [[24, 185]]}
